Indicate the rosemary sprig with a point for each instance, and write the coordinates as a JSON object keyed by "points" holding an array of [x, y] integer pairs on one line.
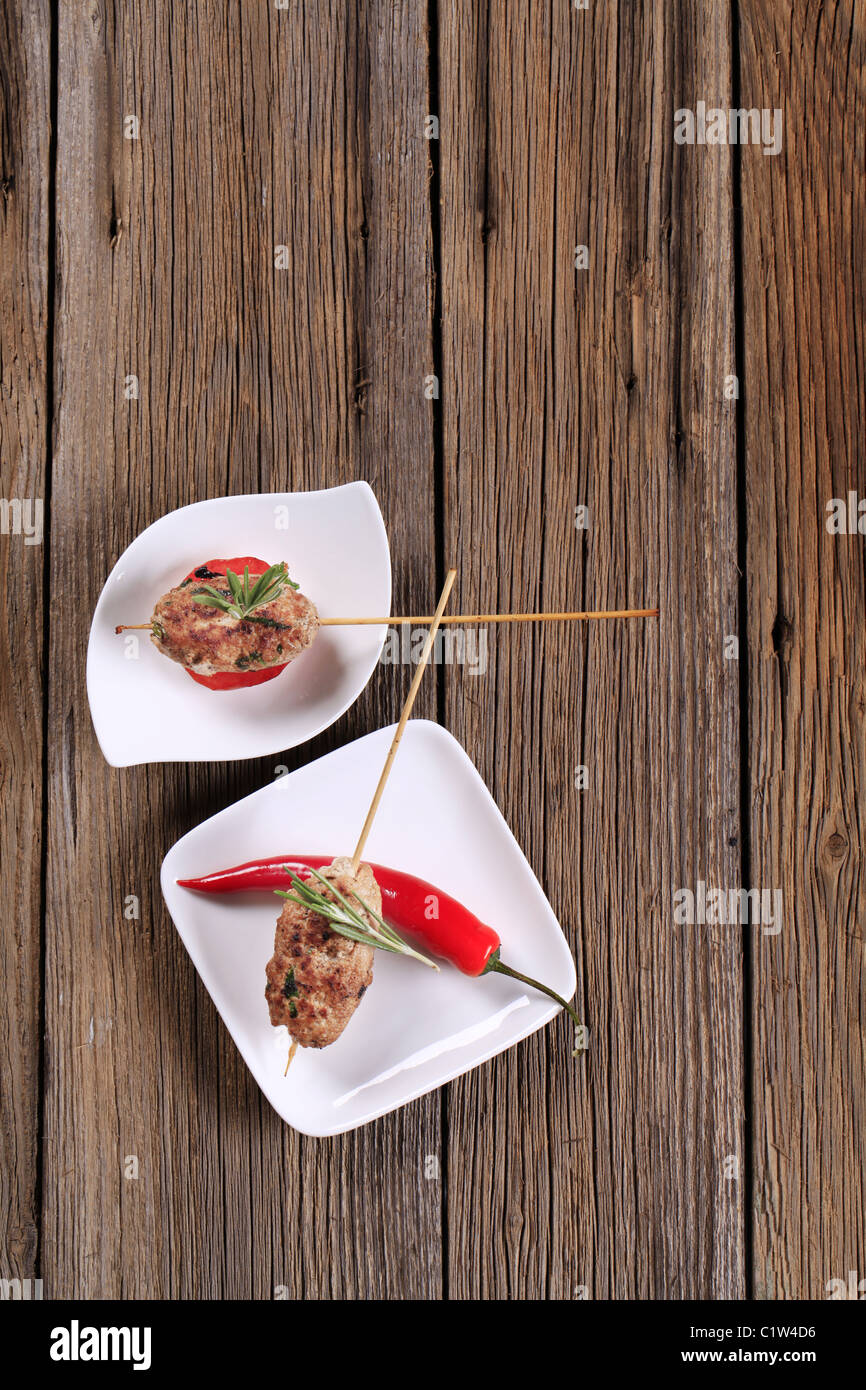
{"points": [[244, 598], [346, 919]]}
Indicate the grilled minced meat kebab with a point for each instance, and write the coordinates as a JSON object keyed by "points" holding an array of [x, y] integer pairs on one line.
{"points": [[228, 635], [316, 977]]}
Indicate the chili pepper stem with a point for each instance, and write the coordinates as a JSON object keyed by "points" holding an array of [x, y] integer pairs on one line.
{"points": [[502, 969]]}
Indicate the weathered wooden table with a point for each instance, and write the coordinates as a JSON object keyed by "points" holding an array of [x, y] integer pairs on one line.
{"points": [[694, 379]]}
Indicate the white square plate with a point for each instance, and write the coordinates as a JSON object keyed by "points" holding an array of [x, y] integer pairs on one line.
{"points": [[415, 1029], [145, 708]]}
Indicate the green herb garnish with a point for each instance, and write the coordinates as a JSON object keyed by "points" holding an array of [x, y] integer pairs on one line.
{"points": [[268, 622], [245, 599], [346, 919], [290, 988]]}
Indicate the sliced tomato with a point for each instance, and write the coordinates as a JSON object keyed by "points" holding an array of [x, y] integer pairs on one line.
{"points": [[233, 680], [238, 565]]}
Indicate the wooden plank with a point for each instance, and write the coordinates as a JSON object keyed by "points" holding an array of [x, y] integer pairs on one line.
{"points": [[600, 387], [25, 135], [804, 408], [359, 309], [262, 127]]}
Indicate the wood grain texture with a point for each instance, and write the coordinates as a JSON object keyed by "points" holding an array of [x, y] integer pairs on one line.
{"points": [[25, 134], [804, 225], [601, 387], [261, 128]]}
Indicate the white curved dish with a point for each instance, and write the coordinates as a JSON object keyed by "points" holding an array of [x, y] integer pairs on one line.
{"points": [[146, 709], [415, 1029]]}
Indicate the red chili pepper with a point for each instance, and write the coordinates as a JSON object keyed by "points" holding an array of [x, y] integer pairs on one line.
{"points": [[432, 918], [233, 680]]}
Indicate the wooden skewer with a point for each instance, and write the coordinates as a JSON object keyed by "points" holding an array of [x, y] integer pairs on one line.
{"points": [[422, 620], [497, 618], [404, 717]]}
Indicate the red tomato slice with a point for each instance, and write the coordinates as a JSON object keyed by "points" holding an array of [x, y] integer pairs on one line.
{"points": [[234, 680], [220, 566]]}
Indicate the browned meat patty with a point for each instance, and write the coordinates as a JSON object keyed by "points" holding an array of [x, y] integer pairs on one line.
{"points": [[208, 640], [317, 978]]}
